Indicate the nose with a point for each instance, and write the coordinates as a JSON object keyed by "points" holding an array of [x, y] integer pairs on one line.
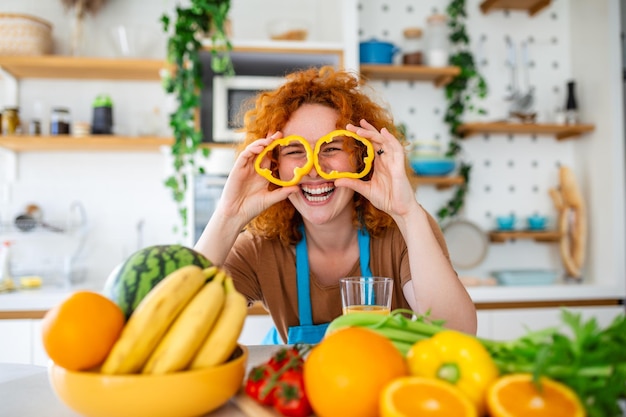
{"points": [[313, 172]]}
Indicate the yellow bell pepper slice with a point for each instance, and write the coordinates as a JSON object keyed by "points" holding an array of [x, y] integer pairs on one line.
{"points": [[298, 172], [457, 358], [369, 158]]}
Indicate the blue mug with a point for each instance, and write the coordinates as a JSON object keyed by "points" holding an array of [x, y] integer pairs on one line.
{"points": [[506, 222], [536, 222]]}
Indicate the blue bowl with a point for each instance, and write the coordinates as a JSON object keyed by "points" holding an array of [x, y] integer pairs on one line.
{"points": [[436, 166]]}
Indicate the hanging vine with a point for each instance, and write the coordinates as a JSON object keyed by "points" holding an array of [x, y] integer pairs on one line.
{"points": [[460, 96], [201, 19]]}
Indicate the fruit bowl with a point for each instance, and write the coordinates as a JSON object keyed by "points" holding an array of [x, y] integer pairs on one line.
{"points": [[432, 165], [179, 394]]}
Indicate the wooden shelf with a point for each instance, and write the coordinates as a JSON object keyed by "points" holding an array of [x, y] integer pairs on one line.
{"points": [[440, 76], [559, 131], [81, 68], [439, 182], [531, 6], [104, 143], [539, 236]]}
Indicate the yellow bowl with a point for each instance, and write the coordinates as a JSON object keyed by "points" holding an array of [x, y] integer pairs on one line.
{"points": [[179, 394]]}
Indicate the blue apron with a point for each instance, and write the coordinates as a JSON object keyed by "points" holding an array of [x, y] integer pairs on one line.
{"points": [[307, 332]]}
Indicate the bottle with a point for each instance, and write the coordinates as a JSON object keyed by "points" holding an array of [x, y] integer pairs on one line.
{"points": [[11, 121], [6, 279], [102, 121], [571, 106], [412, 46], [60, 121], [437, 42]]}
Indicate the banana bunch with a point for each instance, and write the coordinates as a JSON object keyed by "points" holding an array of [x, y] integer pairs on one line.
{"points": [[191, 319]]}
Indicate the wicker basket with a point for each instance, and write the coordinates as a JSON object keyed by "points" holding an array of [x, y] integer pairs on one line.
{"points": [[22, 34]]}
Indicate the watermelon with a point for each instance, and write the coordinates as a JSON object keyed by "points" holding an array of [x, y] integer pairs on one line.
{"points": [[130, 281]]}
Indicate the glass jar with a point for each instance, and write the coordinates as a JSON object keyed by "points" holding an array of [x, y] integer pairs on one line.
{"points": [[437, 42], [60, 121], [11, 121], [413, 47]]}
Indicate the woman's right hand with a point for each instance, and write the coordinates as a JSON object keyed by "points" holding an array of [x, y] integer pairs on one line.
{"points": [[246, 193]]}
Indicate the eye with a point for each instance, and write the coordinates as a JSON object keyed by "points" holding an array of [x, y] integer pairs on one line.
{"points": [[294, 150]]}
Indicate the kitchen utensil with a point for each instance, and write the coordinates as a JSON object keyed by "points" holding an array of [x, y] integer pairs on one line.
{"points": [[467, 243], [527, 99], [27, 222], [377, 52], [525, 277], [178, 394], [521, 103]]}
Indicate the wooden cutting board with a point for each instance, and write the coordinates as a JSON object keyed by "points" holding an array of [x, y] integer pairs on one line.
{"points": [[251, 408]]}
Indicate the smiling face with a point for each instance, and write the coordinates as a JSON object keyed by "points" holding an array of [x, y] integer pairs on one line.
{"points": [[318, 200]]}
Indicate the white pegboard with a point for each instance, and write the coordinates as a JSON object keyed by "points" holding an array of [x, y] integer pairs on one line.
{"points": [[510, 173]]}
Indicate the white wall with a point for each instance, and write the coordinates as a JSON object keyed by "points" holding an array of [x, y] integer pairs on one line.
{"points": [[510, 174]]}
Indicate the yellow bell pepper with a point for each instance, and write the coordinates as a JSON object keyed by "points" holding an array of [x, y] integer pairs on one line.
{"points": [[298, 172], [457, 358], [369, 158]]}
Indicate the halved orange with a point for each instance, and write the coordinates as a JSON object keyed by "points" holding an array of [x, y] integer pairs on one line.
{"points": [[420, 396], [517, 395]]}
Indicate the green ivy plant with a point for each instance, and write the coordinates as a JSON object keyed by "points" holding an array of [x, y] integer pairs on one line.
{"points": [[460, 95], [201, 19]]}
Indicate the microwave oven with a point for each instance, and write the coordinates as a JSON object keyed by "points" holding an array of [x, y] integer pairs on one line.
{"points": [[230, 95]]}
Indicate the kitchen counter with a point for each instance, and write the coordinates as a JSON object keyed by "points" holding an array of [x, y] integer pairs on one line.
{"points": [[34, 303], [25, 391]]}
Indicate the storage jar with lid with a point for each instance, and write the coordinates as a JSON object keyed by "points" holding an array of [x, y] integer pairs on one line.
{"points": [[412, 49], [60, 121], [437, 41], [11, 121]]}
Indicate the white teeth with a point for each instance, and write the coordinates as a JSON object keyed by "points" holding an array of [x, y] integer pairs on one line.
{"points": [[315, 194], [315, 191]]}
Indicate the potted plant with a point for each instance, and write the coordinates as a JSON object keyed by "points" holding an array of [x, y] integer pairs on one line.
{"points": [[200, 21], [460, 95]]}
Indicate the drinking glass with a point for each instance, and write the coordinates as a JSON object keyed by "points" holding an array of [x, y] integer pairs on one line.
{"points": [[366, 295]]}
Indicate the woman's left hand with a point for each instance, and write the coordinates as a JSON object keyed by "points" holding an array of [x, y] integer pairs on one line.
{"points": [[389, 188]]}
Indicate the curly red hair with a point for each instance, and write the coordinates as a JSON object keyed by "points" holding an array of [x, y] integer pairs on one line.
{"points": [[339, 90]]}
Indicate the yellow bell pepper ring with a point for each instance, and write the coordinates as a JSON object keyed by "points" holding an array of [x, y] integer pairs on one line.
{"points": [[298, 172], [457, 358], [369, 158]]}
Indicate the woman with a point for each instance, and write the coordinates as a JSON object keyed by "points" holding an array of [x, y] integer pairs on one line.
{"points": [[311, 234]]}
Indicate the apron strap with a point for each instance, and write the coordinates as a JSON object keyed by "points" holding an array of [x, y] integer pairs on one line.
{"points": [[302, 272], [302, 277], [364, 252]]}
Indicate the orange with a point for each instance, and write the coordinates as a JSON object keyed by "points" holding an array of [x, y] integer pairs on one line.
{"points": [[421, 396], [346, 372], [516, 395], [79, 332]]}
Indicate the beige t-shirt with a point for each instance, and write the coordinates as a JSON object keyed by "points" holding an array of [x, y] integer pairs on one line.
{"points": [[265, 270]]}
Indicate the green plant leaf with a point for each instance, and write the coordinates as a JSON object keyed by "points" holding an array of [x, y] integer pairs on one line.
{"points": [[200, 19]]}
